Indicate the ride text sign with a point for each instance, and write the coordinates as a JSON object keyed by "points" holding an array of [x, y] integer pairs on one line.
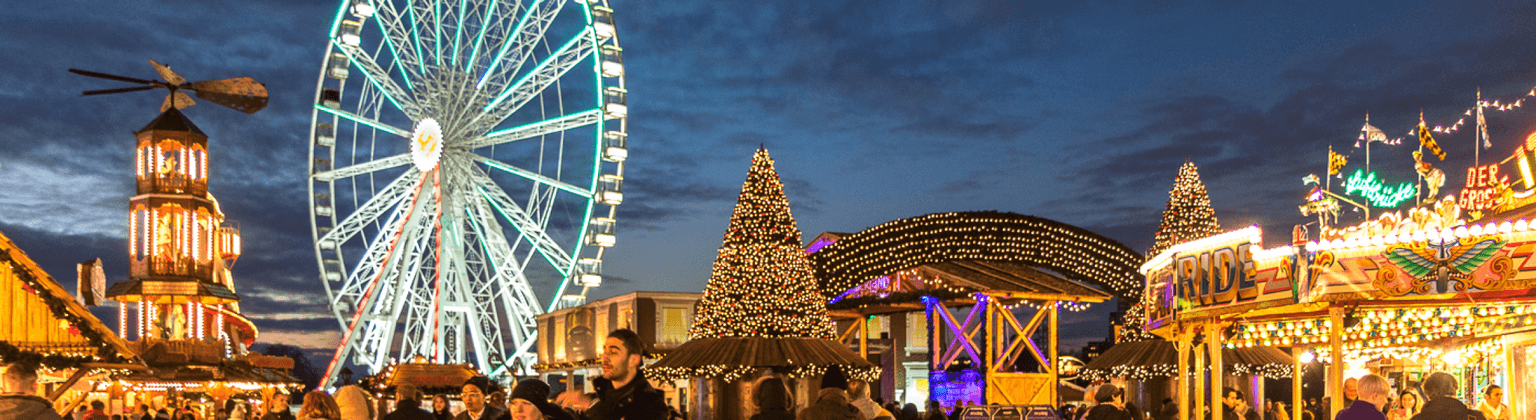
{"points": [[1221, 275]]}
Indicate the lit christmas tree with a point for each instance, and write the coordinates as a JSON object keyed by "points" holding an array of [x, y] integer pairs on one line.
{"points": [[1134, 328], [762, 284], [1189, 215]]}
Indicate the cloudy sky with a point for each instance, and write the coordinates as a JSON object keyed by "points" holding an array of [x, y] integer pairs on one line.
{"points": [[1079, 111]]}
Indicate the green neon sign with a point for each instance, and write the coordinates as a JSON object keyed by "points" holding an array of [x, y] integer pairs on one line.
{"points": [[1377, 192]]}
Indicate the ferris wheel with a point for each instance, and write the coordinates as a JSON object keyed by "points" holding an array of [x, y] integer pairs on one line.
{"points": [[466, 159]]}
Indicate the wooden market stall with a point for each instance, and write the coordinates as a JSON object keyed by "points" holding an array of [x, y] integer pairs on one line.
{"points": [[972, 289], [43, 325]]}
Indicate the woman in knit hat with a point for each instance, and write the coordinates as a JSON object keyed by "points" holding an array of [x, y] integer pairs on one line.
{"points": [[530, 401]]}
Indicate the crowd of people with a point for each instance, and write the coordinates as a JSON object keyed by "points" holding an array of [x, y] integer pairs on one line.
{"points": [[1370, 397]]}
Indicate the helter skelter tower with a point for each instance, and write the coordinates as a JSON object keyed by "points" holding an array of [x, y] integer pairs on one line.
{"points": [[180, 248]]}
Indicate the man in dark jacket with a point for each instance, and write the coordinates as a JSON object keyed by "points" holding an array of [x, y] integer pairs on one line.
{"points": [[622, 391], [1109, 399], [408, 405], [832, 402], [473, 395], [1372, 397], [1234, 407], [1439, 388], [18, 395], [277, 409]]}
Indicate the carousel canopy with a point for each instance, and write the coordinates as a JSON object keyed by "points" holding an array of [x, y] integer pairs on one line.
{"points": [[747, 353]]}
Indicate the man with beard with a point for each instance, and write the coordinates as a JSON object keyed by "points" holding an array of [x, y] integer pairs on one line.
{"points": [[475, 408], [622, 392]]}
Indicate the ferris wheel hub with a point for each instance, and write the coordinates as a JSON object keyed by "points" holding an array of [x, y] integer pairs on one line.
{"points": [[427, 144]]}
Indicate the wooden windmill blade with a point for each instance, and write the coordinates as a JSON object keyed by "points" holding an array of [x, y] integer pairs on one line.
{"points": [[166, 73], [242, 94], [178, 99]]}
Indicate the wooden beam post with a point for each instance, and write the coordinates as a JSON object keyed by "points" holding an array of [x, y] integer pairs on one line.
{"points": [[864, 337], [63, 387], [1336, 371], [1213, 342], [1199, 379], [1055, 358], [1182, 378], [1296, 399]]}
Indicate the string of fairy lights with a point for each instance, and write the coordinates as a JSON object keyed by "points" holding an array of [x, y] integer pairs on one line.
{"points": [[985, 235], [1165, 370], [1387, 328], [730, 373]]}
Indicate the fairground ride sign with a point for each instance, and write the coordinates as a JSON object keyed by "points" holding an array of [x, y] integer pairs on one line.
{"points": [[1223, 273]]}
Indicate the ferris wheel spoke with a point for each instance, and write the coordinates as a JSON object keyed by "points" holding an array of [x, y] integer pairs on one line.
{"points": [[508, 272], [364, 168], [365, 121], [533, 130], [385, 199], [531, 175], [376, 75], [537, 80], [530, 230], [486, 24], [519, 45], [398, 34]]}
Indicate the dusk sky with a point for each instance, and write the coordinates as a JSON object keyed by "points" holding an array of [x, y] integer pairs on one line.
{"points": [[1078, 111]]}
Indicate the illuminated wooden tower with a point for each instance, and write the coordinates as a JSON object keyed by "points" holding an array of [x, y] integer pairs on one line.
{"points": [[179, 249]]}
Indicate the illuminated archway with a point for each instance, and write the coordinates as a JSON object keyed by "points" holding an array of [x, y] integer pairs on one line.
{"points": [[902, 244]]}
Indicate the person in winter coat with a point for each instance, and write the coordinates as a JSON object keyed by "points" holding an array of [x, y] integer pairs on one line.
{"points": [[772, 399], [18, 395], [1439, 389], [354, 403], [440, 408], [1110, 399], [475, 408], [832, 402], [319, 405], [277, 408], [1493, 407], [530, 401], [408, 405], [622, 391], [859, 392], [1371, 394]]}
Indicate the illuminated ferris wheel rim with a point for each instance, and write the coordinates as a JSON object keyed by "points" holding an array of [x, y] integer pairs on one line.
{"points": [[453, 112]]}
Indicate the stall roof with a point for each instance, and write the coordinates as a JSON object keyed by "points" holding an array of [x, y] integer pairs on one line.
{"points": [[61, 306]]}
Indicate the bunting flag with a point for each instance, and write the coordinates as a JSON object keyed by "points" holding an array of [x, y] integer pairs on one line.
{"points": [[1428, 142], [1335, 162]]}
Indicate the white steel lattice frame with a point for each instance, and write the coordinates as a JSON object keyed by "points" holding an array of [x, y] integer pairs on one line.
{"points": [[447, 263]]}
